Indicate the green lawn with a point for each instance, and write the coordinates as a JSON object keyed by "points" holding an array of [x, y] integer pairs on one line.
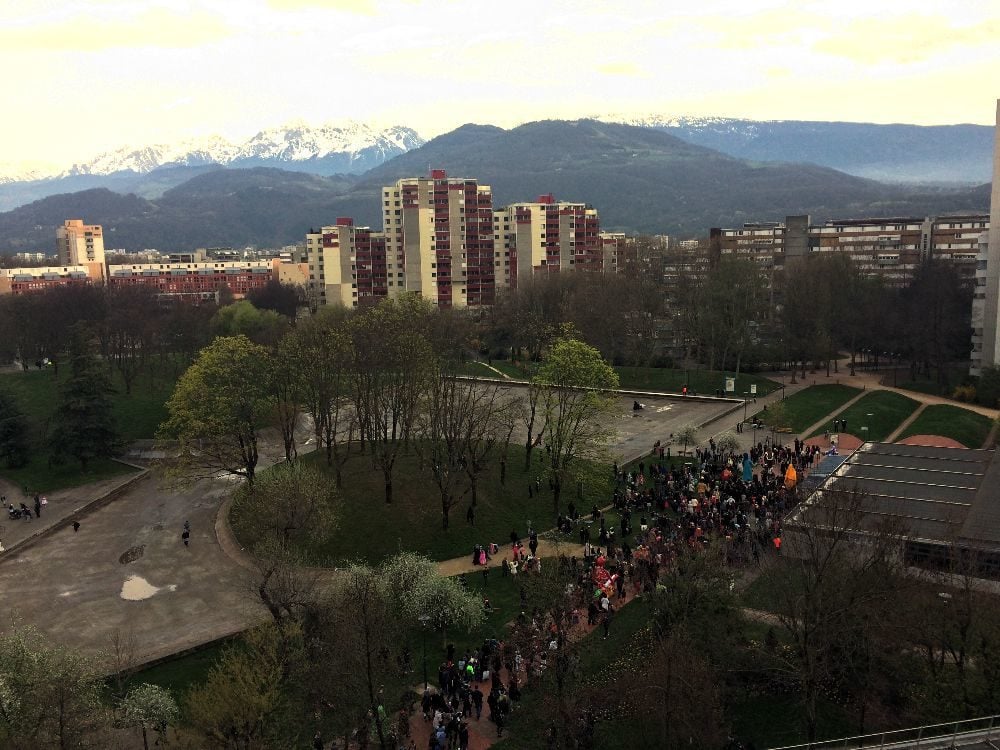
{"points": [[38, 476], [888, 410], [370, 530], [967, 427], [805, 408], [37, 393], [180, 674], [138, 414]]}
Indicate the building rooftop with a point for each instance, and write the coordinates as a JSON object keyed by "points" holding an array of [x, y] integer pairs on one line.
{"points": [[934, 494]]}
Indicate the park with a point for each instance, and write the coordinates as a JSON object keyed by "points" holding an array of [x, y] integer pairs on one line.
{"points": [[439, 466]]}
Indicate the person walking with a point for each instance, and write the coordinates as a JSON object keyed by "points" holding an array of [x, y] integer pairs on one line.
{"points": [[76, 526], [186, 536], [477, 701], [38, 506]]}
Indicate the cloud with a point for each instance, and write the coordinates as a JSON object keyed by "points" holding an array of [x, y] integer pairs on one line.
{"points": [[906, 40], [153, 27], [621, 68], [359, 7]]}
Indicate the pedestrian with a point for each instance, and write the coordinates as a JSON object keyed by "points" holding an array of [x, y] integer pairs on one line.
{"points": [[477, 701], [463, 736], [606, 621], [318, 741], [38, 506], [76, 526], [186, 536], [470, 515], [425, 704]]}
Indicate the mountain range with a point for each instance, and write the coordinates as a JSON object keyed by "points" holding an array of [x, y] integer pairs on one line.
{"points": [[148, 171], [921, 154], [641, 179]]}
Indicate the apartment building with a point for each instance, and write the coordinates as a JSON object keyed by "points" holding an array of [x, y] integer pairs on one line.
{"points": [[891, 248], [78, 243], [549, 236], [348, 265], [439, 239], [986, 351], [38, 279], [194, 280]]}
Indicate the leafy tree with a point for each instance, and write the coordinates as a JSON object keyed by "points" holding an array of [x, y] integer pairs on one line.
{"points": [[243, 319], [243, 701], [14, 436], [289, 504], [149, 707], [576, 382], [49, 696], [218, 408], [688, 435], [84, 420], [284, 299]]}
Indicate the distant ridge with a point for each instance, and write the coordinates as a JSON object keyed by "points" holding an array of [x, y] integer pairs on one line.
{"points": [[640, 179]]}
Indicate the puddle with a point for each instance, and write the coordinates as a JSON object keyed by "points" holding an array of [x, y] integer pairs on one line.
{"points": [[137, 588]]}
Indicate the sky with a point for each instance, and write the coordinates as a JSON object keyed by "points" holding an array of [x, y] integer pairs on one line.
{"points": [[81, 77]]}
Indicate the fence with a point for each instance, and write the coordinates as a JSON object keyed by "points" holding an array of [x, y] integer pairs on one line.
{"points": [[929, 737]]}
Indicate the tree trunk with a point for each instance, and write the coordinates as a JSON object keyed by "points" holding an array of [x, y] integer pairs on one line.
{"points": [[388, 488], [556, 493], [445, 509]]}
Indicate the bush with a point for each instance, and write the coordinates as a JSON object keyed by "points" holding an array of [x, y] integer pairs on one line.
{"points": [[988, 389], [966, 393]]}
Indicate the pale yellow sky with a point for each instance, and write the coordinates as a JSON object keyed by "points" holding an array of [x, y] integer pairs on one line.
{"points": [[85, 76]]}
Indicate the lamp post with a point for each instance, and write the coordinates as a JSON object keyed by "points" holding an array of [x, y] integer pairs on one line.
{"points": [[424, 619], [746, 397]]}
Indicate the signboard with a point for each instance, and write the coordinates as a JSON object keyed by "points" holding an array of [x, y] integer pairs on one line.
{"points": [[753, 389], [730, 385]]}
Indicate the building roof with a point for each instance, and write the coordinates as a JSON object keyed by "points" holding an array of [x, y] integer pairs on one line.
{"points": [[934, 494]]}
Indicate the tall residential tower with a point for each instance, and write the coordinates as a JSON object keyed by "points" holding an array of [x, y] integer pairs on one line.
{"points": [[989, 302]]}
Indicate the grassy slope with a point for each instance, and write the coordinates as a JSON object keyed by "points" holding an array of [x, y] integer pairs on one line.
{"points": [[888, 410], [805, 408], [37, 392], [967, 427], [371, 531]]}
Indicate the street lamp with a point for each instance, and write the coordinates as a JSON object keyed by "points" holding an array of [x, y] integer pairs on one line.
{"points": [[424, 619], [746, 396]]}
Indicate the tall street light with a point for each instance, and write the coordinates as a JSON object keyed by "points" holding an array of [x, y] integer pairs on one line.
{"points": [[424, 619]]}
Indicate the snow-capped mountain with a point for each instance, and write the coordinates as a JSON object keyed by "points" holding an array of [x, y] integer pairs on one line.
{"points": [[942, 154], [349, 147]]}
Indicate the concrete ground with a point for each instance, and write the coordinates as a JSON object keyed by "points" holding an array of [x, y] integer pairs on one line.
{"points": [[71, 584]]}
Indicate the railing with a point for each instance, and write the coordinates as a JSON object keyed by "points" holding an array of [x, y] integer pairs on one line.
{"points": [[930, 737]]}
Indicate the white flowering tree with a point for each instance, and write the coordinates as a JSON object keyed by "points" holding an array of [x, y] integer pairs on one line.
{"points": [[149, 707]]}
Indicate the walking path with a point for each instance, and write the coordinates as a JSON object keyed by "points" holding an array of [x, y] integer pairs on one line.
{"points": [[906, 423]]}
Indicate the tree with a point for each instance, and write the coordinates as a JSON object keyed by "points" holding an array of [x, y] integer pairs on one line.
{"points": [[688, 435], [149, 707], [393, 366], [128, 333], [84, 420], [284, 299], [240, 705], [14, 436], [832, 592], [49, 696], [319, 354], [576, 383], [218, 408], [289, 504], [241, 318], [458, 428]]}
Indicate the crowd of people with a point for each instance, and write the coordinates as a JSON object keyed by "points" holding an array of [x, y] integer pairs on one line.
{"points": [[738, 498]]}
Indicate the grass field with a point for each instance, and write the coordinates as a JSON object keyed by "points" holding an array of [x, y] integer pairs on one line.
{"points": [[37, 393], [888, 410], [370, 530], [138, 414], [967, 427], [805, 408]]}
